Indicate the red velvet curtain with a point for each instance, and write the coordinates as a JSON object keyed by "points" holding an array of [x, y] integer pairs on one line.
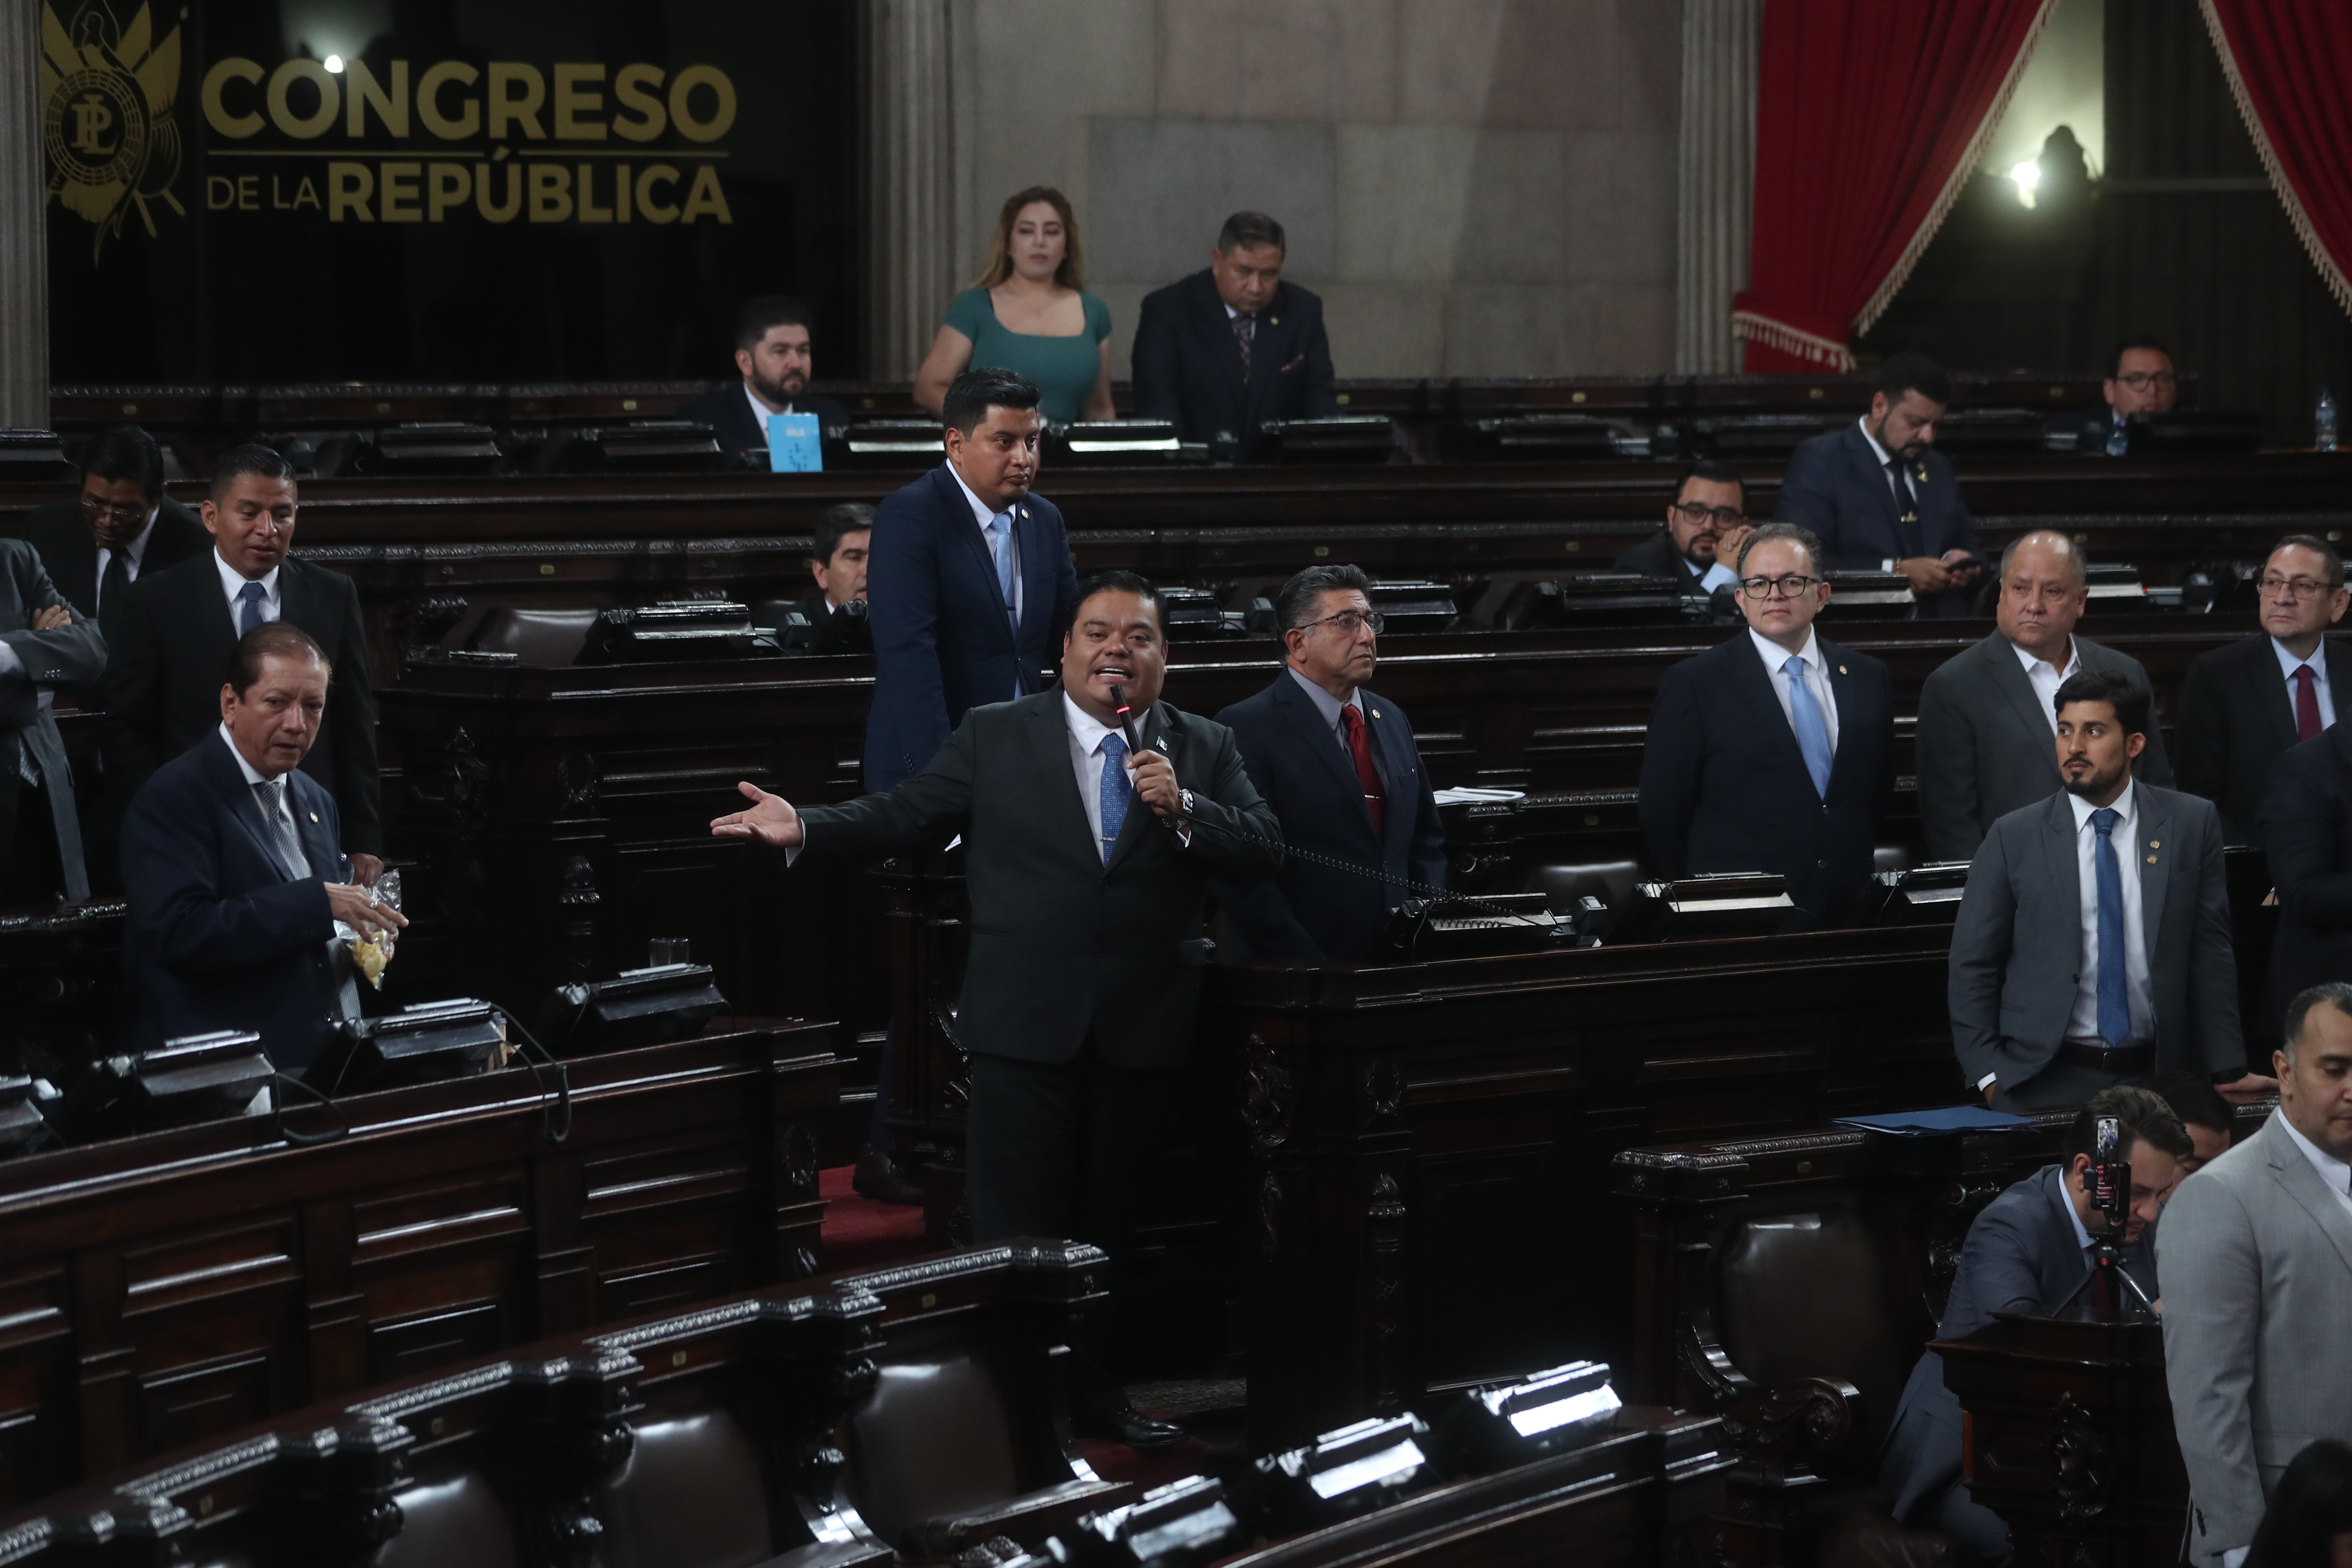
{"points": [[2290, 64], [1870, 115]]}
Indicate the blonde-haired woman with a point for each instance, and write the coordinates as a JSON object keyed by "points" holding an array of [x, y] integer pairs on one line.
{"points": [[1029, 312]]}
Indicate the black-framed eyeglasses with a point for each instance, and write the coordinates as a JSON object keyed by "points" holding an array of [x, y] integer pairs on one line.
{"points": [[94, 506], [2273, 586], [1348, 622], [1788, 587], [2141, 380], [1692, 512]]}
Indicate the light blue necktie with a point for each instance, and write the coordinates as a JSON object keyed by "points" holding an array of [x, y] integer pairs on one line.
{"points": [[250, 617], [1116, 789], [1000, 545], [2114, 993], [1813, 732]]}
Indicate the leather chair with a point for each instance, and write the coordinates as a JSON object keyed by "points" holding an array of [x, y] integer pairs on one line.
{"points": [[456, 1523], [1611, 881], [1802, 1332], [1890, 858], [545, 638], [689, 1495]]}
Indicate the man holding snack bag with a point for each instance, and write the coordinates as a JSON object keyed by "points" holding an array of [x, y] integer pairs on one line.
{"points": [[244, 913]]}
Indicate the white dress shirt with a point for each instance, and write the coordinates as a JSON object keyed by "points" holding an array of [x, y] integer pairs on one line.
{"points": [[2082, 1027], [233, 585], [2046, 679], [1817, 679], [2289, 664], [132, 555], [1717, 575]]}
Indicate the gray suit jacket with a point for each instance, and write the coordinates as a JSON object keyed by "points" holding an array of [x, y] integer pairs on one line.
{"points": [[2022, 1255], [70, 654], [2258, 1266], [1985, 746], [1065, 946], [2017, 945]]}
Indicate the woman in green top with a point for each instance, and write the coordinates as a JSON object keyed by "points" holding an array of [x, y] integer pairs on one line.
{"points": [[1029, 313]]}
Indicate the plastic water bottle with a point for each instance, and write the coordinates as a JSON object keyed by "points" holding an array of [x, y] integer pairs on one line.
{"points": [[2322, 421]]}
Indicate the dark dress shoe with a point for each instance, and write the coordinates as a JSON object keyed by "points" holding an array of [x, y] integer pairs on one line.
{"points": [[876, 1178], [1125, 1426]]}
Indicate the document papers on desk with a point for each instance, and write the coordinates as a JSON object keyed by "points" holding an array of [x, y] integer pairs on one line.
{"points": [[1928, 1124], [794, 444]]}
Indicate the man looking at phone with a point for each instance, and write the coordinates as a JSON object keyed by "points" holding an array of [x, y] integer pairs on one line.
{"points": [[1987, 729]]}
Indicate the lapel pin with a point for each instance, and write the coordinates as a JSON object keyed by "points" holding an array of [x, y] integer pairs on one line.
{"points": [[1376, 713], [1274, 321], [1841, 669], [2152, 844], [314, 816], [1024, 512]]}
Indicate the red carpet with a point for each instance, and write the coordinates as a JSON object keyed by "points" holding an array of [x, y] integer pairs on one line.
{"points": [[1117, 1462], [862, 1234]]}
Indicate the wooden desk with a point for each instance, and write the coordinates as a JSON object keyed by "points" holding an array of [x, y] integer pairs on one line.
{"points": [[160, 1288]]}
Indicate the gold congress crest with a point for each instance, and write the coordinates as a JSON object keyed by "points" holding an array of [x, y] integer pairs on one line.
{"points": [[107, 92]]}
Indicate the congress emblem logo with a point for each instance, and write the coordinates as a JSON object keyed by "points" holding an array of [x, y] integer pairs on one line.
{"points": [[107, 93]]}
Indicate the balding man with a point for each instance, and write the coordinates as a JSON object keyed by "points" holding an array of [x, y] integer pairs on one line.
{"points": [[1988, 734]]}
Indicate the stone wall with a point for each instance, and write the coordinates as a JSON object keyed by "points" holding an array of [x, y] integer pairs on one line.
{"points": [[1475, 187]]}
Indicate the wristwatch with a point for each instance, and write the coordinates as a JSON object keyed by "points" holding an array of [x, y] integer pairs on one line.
{"points": [[1184, 798]]}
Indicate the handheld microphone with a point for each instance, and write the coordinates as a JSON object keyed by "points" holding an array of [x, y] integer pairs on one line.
{"points": [[1125, 715]]}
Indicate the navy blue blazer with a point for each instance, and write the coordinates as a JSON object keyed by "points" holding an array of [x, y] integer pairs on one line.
{"points": [[220, 937], [1188, 368], [1724, 787], [942, 642], [1312, 914], [2022, 1255], [1836, 487]]}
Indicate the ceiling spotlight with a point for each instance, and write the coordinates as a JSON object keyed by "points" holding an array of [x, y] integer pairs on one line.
{"points": [[2028, 175], [335, 64]]}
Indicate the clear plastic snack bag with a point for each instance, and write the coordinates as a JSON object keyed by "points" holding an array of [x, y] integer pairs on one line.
{"points": [[372, 952]]}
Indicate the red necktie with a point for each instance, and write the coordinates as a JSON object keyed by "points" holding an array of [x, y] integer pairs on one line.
{"points": [[2307, 702], [1359, 748]]}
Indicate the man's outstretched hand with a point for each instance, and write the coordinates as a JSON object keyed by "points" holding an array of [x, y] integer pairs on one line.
{"points": [[771, 820]]}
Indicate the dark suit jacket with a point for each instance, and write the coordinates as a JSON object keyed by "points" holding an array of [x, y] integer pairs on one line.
{"points": [[2017, 945], [1063, 945], [1986, 747], [2022, 1255], [1658, 557], [1836, 487], [220, 937], [1724, 787], [943, 644], [2307, 837], [1313, 914], [1188, 368], [67, 655], [2091, 427], [62, 535], [2236, 717], [164, 673], [744, 439]]}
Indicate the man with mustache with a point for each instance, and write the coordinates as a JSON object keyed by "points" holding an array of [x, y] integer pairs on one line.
{"points": [[1090, 840], [2092, 942], [775, 357]]}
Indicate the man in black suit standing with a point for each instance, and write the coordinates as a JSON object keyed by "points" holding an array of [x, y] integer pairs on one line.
{"points": [[1882, 499], [1773, 751], [1707, 525], [121, 524], [1232, 347], [179, 625], [1340, 768], [1085, 922], [776, 358], [971, 578], [2306, 838], [2245, 704], [2140, 383], [235, 872]]}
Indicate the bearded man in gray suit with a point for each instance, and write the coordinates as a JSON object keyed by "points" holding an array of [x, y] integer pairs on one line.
{"points": [[2256, 1251]]}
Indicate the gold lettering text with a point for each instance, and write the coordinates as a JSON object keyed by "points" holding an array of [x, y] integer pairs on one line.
{"points": [[306, 194], [248, 193], [629, 85], [220, 193], [681, 97], [428, 102], [503, 212], [589, 211], [446, 185], [398, 191], [550, 193], [281, 108], [391, 108], [217, 80], [505, 108], [647, 178], [705, 197], [348, 185], [571, 102]]}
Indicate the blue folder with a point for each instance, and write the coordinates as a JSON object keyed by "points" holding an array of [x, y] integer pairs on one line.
{"points": [[1927, 1123], [795, 445]]}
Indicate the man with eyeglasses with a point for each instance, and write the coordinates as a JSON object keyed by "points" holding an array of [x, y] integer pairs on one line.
{"points": [[1984, 719], [1706, 522], [1340, 769], [2244, 705], [1773, 751], [2140, 384], [121, 524]]}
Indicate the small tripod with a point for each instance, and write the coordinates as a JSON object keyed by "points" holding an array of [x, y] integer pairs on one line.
{"points": [[2107, 1263]]}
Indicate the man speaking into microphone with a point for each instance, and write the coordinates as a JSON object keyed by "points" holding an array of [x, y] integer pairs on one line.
{"points": [[1090, 838]]}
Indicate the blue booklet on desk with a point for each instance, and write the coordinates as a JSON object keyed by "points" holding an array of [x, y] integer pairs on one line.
{"points": [[794, 444], [1924, 1123]]}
